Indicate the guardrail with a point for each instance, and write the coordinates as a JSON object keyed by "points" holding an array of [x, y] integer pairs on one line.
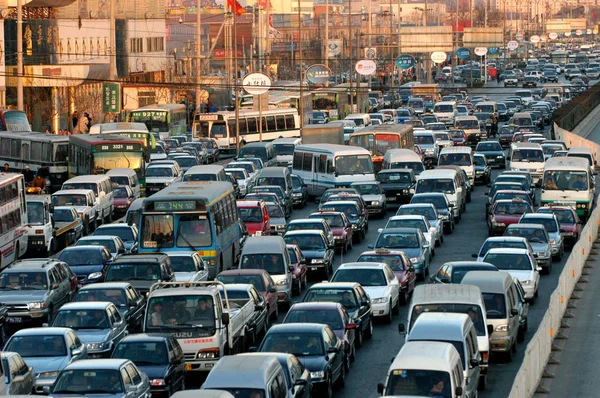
{"points": [[578, 108], [539, 348]]}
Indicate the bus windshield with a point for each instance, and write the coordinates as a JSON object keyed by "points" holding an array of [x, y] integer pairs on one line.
{"points": [[353, 164], [16, 121], [155, 120], [467, 124], [218, 130], [104, 161], [283, 149], [562, 180]]}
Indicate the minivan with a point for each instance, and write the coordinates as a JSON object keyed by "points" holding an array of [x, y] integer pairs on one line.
{"points": [[487, 106], [402, 158], [205, 173], [445, 111], [425, 368], [458, 330], [360, 119], [456, 299], [270, 254], [262, 150], [102, 187], [127, 177], [461, 156], [446, 182], [527, 156], [501, 303], [284, 150], [276, 176]]}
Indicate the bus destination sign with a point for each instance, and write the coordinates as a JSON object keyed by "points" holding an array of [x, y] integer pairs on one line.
{"points": [[175, 205], [118, 147]]}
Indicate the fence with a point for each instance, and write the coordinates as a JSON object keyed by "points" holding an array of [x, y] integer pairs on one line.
{"points": [[539, 348], [577, 109]]}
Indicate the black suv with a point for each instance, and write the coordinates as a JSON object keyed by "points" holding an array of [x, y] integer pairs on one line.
{"points": [[141, 270], [33, 290]]}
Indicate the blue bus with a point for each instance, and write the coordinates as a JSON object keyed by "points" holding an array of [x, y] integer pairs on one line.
{"points": [[406, 91], [193, 216]]}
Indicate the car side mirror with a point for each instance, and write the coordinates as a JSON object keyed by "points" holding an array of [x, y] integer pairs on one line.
{"points": [[46, 390], [490, 330], [259, 307], [380, 388], [474, 362], [272, 289], [514, 312], [55, 286], [538, 269], [458, 391], [291, 268], [371, 246], [401, 328], [300, 382], [225, 318], [76, 351], [331, 350]]}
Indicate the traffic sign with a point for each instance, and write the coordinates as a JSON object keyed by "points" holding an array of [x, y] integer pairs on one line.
{"points": [[512, 45], [579, 32], [567, 34], [534, 39], [370, 53], [365, 67], [405, 61], [256, 83], [519, 36], [481, 51], [553, 36], [493, 50], [463, 53], [438, 57], [317, 74]]}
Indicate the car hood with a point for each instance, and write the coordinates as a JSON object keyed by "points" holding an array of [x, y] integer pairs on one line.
{"points": [[116, 395], [554, 235], [313, 363], [410, 252], [376, 291], [297, 190], [47, 364], [253, 227], [121, 201], [82, 209], [278, 221], [370, 198], [521, 275], [337, 231], [389, 186], [310, 254], [480, 168], [569, 227], [154, 371], [85, 270], [93, 335], [184, 276], [491, 153], [539, 247], [507, 219], [159, 179], [142, 286], [22, 296], [340, 334]]}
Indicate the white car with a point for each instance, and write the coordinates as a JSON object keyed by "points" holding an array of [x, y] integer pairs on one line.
{"points": [[497, 242], [159, 176], [243, 179], [378, 281], [188, 267], [84, 202], [520, 264], [429, 211], [416, 221], [249, 166]]}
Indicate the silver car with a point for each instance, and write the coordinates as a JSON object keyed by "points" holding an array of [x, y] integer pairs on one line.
{"points": [[188, 267], [47, 351], [373, 195], [416, 221], [18, 379], [102, 377], [550, 222], [429, 211], [276, 218]]}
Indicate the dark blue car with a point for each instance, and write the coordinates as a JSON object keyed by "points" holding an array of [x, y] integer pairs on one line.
{"points": [[89, 262]]}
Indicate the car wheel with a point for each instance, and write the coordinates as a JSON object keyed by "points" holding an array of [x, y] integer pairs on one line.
{"points": [[438, 242], [329, 389], [347, 363], [359, 337], [396, 308], [442, 238], [482, 383], [521, 335], [345, 248], [369, 331], [404, 297], [389, 317], [341, 381]]}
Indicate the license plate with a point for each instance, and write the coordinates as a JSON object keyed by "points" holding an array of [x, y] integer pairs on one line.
{"points": [[14, 319], [313, 268], [188, 366], [392, 199]]}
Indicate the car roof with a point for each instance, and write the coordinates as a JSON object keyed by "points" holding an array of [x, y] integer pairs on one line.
{"points": [[42, 331], [86, 305], [299, 328], [325, 305], [31, 264], [364, 265], [145, 337], [335, 285], [141, 258], [105, 285], [506, 250], [97, 364]]}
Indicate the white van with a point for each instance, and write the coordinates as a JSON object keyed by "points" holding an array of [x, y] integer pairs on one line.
{"points": [[127, 177], [425, 368], [213, 172], [526, 96], [360, 119], [102, 187], [458, 330], [447, 182], [402, 158], [568, 182], [284, 150], [461, 156], [445, 111], [456, 299], [487, 106], [528, 157], [583, 152]]}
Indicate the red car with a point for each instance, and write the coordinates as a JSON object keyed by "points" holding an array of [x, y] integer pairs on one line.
{"points": [[567, 220], [399, 263], [255, 216], [340, 226], [124, 197], [299, 272], [262, 282], [504, 213], [511, 194]]}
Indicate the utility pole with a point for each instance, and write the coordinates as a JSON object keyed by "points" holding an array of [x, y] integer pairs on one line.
{"points": [[349, 45], [113, 50], [370, 21], [198, 57], [20, 55], [327, 36], [300, 60]]}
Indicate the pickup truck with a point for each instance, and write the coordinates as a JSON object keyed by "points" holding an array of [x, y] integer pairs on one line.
{"points": [[84, 202], [46, 235], [206, 326]]}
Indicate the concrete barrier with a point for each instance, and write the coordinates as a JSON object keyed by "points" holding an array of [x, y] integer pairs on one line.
{"points": [[539, 349]]}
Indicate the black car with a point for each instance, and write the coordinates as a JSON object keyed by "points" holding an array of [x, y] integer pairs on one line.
{"points": [[530, 81], [398, 185], [130, 302], [141, 270], [550, 76], [455, 271], [319, 253], [440, 201], [159, 356], [299, 191], [483, 171], [88, 262], [492, 150], [316, 346]]}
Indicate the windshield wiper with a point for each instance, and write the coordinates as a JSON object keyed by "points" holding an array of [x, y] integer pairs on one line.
{"points": [[179, 234], [100, 392], [68, 392]]}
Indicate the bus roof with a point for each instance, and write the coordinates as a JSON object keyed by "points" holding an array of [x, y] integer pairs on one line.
{"points": [[118, 127], [96, 139], [35, 136], [384, 129], [209, 192], [160, 107], [8, 177], [567, 163], [332, 149]]}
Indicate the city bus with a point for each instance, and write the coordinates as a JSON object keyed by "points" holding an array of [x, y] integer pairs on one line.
{"points": [[198, 216], [276, 123], [568, 181], [166, 120], [33, 149], [406, 91], [324, 166], [13, 216], [333, 101], [138, 131], [14, 120], [283, 100], [99, 153], [560, 57], [379, 138]]}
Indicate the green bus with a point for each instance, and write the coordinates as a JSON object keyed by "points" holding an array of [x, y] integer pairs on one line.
{"points": [[99, 153], [138, 131], [165, 120]]}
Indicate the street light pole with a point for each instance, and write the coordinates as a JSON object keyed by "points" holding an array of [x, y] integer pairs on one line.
{"points": [[20, 105], [198, 58]]}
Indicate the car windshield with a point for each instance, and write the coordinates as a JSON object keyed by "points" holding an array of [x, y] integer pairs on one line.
{"points": [[83, 382], [564, 180], [63, 215], [120, 192], [459, 273], [479, 161], [419, 383], [143, 353], [511, 195], [133, 272], [37, 346], [35, 213], [183, 264], [427, 212], [185, 161], [275, 211], [438, 185], [399, 177], [69, 200], [306, 242], [424, 139], [159, 172], [395, 261], [509, 261], [364, 276], [439, 201], [254, 280], [306, 225], [528, 155], [393, 240], [420, 224], [351, 210], [533, 235], [473, 311], [334, 220], [368, 189], [75, 257], [250, 214], [563, 216], [494, 244], [99, 241], [488, 146], [417, 167], [331, 318], [455, 159], [272, 263], [115, 296], [353, 164], [82, 319], [301, 345], [511, 208], [495, 305], [283, 149], [343, 296], [548, 223], [193, 310], [512, 178], [23, 281], [467, 124], [125, 233]]}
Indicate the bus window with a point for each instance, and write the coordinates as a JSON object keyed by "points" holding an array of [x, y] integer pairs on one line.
{"points": [[252, 124], [307, 162], [290, 122], [271, 123], [243, 126], [280, 122]]}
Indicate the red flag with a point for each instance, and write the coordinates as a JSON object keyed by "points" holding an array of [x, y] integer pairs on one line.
{"points": [[236, 7]]}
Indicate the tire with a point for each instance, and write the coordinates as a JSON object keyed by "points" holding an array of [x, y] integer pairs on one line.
{"points": [[389, 317], [369, 332], [438, 242], [329, 391], [357, 342], [482, 385], [396, 308], [403, 298], [347, 363], [341, 381], [521, 335]]}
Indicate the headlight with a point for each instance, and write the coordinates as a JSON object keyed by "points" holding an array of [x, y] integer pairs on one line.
{"points": [[97, 346], [157, 382], [375, 203], [445, 217], [354, 226], [380, 300], [499, 224], [501, 328], [208, 355], [553, 242], [317, 261], [167, 183], [258, 233], [540, 254], [36, 306], [416, 259], [499, 157], [282, 282], [95, 275], [47, 375], [540, 170], [317, 375], [297, 195], [405, 191]]}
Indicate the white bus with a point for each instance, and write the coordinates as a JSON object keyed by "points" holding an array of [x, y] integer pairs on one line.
{"points": [[568, 181], [324, 166], [276, 123], [288, 99], [527, 156], [13, 216], [165, 120]]}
